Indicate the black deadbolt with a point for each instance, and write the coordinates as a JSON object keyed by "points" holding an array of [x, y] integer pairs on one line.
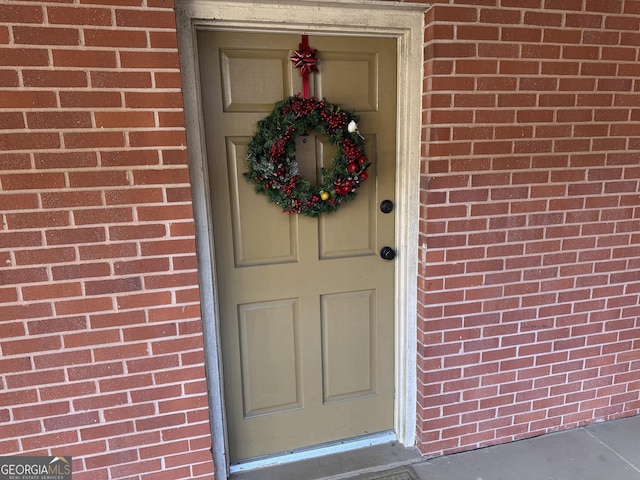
{"points": [[386, 206], [387, 253]]}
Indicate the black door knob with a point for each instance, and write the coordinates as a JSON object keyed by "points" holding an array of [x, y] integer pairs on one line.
{"points": [[386, 206], [387, 253]]}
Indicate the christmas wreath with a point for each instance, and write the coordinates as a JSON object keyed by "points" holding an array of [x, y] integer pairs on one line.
{"points": [[271, 156]]}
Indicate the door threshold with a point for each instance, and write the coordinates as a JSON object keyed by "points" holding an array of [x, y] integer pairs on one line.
{"points": [[337, 461]]}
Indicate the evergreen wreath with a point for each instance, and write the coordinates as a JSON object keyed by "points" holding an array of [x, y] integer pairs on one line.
{"points": [[271, 156]]}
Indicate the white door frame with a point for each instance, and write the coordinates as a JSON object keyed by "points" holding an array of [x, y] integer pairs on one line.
{"points": [[402, 21]]}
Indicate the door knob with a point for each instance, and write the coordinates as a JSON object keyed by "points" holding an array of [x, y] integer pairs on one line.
{"points": [[386, 206], [387, 253]]}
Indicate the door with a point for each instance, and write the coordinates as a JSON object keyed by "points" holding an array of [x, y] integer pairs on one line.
{"points": [[305, 305]]}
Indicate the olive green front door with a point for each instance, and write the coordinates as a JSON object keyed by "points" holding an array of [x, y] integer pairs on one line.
{"points": [[305, 305]]}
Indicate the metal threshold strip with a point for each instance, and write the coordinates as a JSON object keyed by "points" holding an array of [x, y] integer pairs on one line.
{"points": [[324, 449]]}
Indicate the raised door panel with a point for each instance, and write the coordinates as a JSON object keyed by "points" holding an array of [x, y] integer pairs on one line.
{"points": [[243, 72], [349, 357], [261, 235], [270, 356]]}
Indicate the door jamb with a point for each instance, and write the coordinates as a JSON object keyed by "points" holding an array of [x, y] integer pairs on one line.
{"points": [[402, 21]]}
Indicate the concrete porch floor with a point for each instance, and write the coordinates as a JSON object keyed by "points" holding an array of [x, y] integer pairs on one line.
{"points": [[603, 451]]}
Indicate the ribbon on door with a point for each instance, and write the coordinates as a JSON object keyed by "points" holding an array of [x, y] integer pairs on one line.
{"points": [[306, 59]]}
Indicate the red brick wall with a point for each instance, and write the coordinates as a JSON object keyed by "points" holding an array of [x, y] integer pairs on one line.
{"points": [[100, 332], [530, 228]]}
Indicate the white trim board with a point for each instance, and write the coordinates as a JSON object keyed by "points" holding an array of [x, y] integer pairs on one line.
{"points": [[405, 22]]}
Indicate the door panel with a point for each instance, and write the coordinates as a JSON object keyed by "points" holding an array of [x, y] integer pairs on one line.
{"points": [[355, 233], [348, 345], [305, 305], [240, 68], [253, 220], [270, 376]]}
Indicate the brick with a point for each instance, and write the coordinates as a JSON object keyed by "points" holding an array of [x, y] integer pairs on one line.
{"points": [[543, 18], [98, 337], [20, 429], [168, 246], [97, 179], [150, 60], [619, 53], [604, 6], [153, 100], [124, 119], [32, 181], [85, 305], [69, 391], [11, 13], [57, 290], [49, 255], [119, 285], [127, 351], [78, 16], [27, 379], [11, 121], [167, 79], [85, 270], [171, 119], [175, 313], [521, 34], [20, 201], [24, 57], [104, 251], [92, 99], [62, 359], [49, 440], [141, 266], [37, 344], [75, 236], [99, 401], [128, 412], [128, 383], [144, 300], [500, 16], [94, 139], [180, 194], [131, 157], [36, 140], [46, 35], [23, 275], [67, 160], [59, 120], [8, 78], [102, 216], [95, 371], [116, 79], [129, 232], [14, 161], [70, 421], [185, 263], [149, 332], [14, 329], [84, 59], [8, 295]]}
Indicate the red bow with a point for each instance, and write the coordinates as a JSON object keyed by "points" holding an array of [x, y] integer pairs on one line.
{"points": [[306, 60]]}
